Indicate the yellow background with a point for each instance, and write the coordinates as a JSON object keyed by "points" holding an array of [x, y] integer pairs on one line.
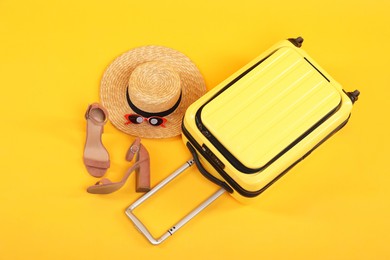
{"points": [[333, 205]]}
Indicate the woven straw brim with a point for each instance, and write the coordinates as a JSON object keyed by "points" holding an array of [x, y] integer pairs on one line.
{"points": [[114, 86]]}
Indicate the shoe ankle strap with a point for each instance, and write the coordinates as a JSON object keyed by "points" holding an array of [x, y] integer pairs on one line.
{"points": [[135, 148], [99, 107]]}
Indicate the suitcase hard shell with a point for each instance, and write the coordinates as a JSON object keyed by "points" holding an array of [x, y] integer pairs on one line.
{"points": [[261, 121], [252, 128]]}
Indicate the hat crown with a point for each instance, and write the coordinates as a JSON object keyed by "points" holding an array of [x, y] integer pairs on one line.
{"points": [[154, 86]]}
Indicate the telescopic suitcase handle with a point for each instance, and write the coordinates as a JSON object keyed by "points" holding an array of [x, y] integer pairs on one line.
{"points": [[142, 228]]}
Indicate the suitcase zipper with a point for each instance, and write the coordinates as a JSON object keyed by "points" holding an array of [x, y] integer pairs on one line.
{"points": [[250, 194]]}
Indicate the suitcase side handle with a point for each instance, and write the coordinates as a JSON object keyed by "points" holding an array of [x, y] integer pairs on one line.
{"points": [[143, 229]]}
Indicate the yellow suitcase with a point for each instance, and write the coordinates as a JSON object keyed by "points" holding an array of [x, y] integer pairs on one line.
{"points": [[248, 131], [265, 118]]}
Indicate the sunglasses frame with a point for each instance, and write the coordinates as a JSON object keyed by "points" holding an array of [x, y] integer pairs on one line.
{"points": [[147, 119]]}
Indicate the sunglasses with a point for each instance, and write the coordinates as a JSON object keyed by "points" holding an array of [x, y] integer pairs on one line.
{"points": [[137, 119]]}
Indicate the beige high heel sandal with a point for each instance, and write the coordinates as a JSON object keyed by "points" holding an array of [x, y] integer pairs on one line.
{"points": [[96, 157], [141, 166]]}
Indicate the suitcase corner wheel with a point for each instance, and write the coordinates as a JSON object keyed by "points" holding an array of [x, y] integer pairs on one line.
{"points": [[256, 125], [296, 41], [354, 95]]}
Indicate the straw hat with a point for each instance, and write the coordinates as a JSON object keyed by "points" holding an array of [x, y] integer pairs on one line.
{"points": [[148, 89]]}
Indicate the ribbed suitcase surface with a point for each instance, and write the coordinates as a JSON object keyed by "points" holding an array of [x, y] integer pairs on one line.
{"points": [[270, 107]]}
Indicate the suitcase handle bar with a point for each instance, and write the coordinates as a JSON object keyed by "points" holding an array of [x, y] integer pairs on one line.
{"points": [[142, 228]]}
